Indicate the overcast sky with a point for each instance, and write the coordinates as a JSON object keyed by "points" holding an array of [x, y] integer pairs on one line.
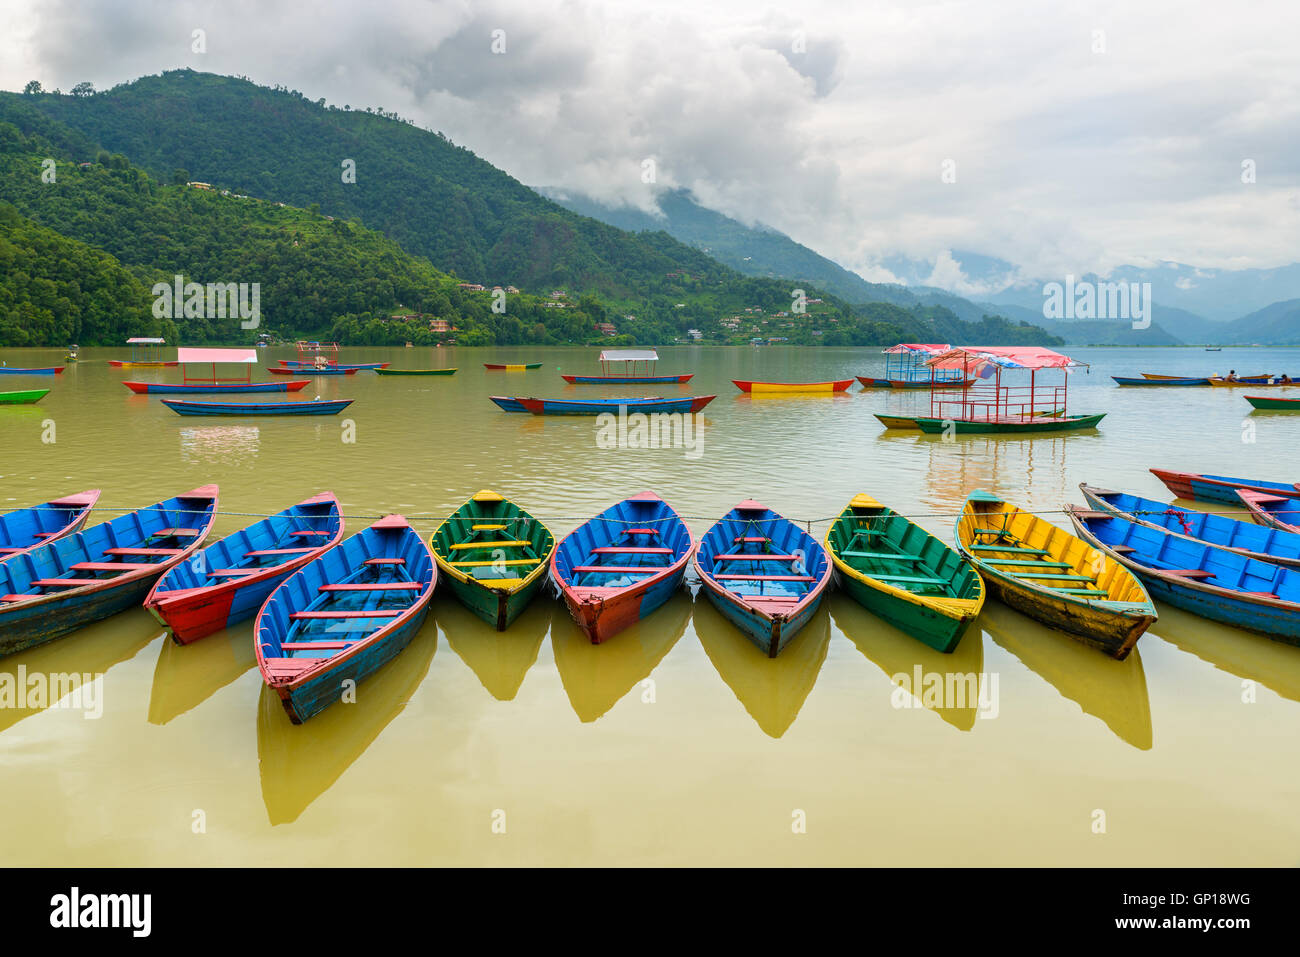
{"points": [[1082, 135]]}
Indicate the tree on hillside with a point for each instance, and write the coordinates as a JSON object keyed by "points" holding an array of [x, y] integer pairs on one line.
{"points": [[84, 88], [33, 87]]}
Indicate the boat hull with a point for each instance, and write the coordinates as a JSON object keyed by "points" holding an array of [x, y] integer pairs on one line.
{"points": [[298, 366], [601, 616], [897, 421], [1044, 423], [685, 405], [324, 407], [625, 379], [1169, 381], [496, 606], [782, 388], [1094, 627], [23, 397], [312, 372], [511, 366], [769, 633], [941, 632], [1219, 489], [870, 383], [416, 371], [47, 370], [128, 364], [1270, 404], [167, 388]]}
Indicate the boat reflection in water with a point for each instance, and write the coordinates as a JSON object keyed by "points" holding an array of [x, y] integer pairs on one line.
{"points": [[187, 675], [772, 690], [72, 662], [597, 677], [219, 444], [1114, 691], [500, 659], [1247, 655], [960, 675], [301, 762]]}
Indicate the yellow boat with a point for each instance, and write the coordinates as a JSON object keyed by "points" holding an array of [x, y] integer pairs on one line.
{"points": [[1050, 575], [1241, 382], [770, 388]]}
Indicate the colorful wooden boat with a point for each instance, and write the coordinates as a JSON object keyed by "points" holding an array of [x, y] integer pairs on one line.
{"points": [[947, 383], [513, 403], [1272, 404], [897, 421], [511, 366], [172, 388], [328, 371], [227, 582], [1244, 538], [902, 573], [314, 407], [305, 366], [1219, 488], [685, 405], [1210, 582], [1219, 382], [57, 588], [1038, 423], [1161, 381], [46, 370], [23, 397], [416, 371], [340, 618], [626, 379], [621, 565], [765, 574], [634, 365], [1273, 511], [1152, 375], [780, 388], [494, 556], [1052, 576], [27, 528], [144, 354]]}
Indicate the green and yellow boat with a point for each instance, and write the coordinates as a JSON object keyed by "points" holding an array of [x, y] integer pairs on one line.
{"points": [[1268, 403], [1050, 575], [494, 556], [900, 572], [23, 396]]}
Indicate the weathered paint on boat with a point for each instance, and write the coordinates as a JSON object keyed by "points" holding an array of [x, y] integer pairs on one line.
{"points": [[170, 388], [302, 633], [900, 572], [315, 407], [685, 405], [47, 370], [32, 612], [765, 574], [229, 580], [898, 421], [493, 556], [1219, 488], [23, 396], [1270, 403], [1244, 538], [416, 371], [1273, 511], [625, 379], [1207, 581], [1097, 600], [760, 388], [26, 528], [1039, 423], [645, 533]]}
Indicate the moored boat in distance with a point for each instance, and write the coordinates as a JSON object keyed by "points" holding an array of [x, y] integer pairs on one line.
{"points": [[1050, 575], [45, 370], [765, 574], [1220, 585], [494, 556], [898, 421], [1039, 422], [781, 388], [145, 352], [657, 404], [415, 371], [26, 528], [313, 407], [1273, 511], [903, 574], [619, 566], [227, 582], [1244, 538], [338, 619], [56, 588], [23, 396], [1219, 488], [1268, 403], [1222, 382], [872, 383], [305, 366], [173, 388], [328, 370], [637, 366], [511, 366]]}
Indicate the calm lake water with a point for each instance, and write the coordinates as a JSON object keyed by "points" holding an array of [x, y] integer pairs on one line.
{"points": [[677, 742]]}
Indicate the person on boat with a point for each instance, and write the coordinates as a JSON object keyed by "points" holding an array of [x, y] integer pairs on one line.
{"points": [[1231, 376]]}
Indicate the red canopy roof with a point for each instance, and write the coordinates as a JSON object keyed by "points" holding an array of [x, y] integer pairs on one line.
{"points": [[216, 355], [981, 358]]}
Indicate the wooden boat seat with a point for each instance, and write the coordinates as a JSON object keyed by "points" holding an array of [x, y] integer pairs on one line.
{"points": [[1030, 562], [232, 572], [287, 667], [1198, 574], [1083, 591], [757, 557], [517, 543], [108, 566], [499, 582], [1266, 594], [176, 533], [143, 551], [384, 561], [909, 579], [504, 561], [1123, 549], [313, 645], [257, 553], [1051, 576], [749, 538], [1010, 548], [67, 582], [766, 578], [619, 569], [641, 531], [487, 528], [305, 532], [892, 556], [628, 550], [308, 615], [8, 550], [372, 586], [44, 534]]}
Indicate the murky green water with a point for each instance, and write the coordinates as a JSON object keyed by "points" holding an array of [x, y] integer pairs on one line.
{"points": [[677, 742]]}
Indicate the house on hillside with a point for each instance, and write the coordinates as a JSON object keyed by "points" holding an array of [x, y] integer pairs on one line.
{"points": [[607, 328], [207, 186]]}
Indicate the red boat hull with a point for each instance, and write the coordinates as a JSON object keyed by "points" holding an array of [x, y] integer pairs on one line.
{"points": [[1180, 484], [870, 383], [328, 371]]}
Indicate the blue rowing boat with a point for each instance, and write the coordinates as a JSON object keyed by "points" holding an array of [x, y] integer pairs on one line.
{"points": [[1244, 538], [511, 403], [314, 407], [1221, 489], [1273, 511], [764, 573], [1207, 581], [57, 588], [1125, 380], [338, 620], [618, 567], [26, 528], [227, 582], [684, 405], [47, 370], [213, 388]]}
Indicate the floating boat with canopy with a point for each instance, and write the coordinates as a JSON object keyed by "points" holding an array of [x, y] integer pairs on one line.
{"points": [[625, 367], [190, 385], [146, 353], [905, 368], [317, 356]]}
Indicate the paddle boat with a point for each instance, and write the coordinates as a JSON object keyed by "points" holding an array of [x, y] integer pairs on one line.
{"points": [[27, 528]]}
